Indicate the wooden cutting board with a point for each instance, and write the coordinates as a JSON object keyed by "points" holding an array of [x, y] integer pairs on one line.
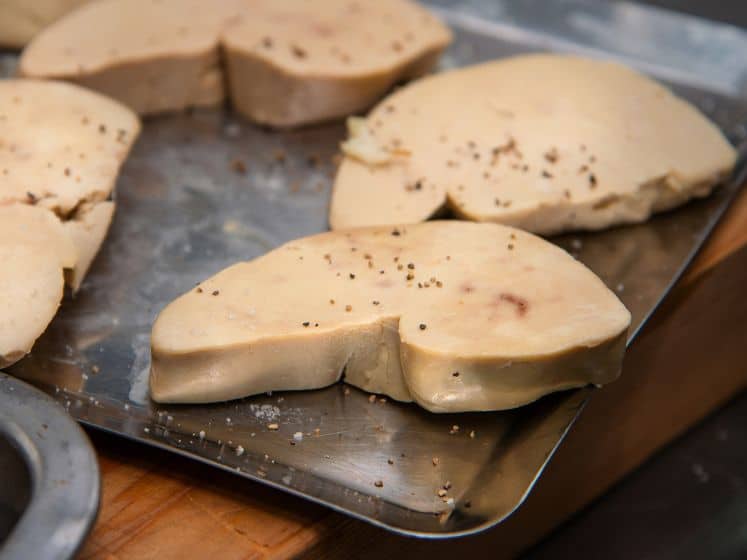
{"points": [[687, 362]]}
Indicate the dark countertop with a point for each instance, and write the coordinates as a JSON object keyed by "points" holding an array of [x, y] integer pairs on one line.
{"points": [[688, 501]]}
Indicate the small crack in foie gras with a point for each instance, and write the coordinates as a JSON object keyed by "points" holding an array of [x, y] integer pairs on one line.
{"points": [[61, 148], [547, 143], [286, 62], [455, 316]]}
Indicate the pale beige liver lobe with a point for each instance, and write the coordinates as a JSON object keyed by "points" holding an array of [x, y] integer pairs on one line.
{"points": [[288, 63], [547, 143], [61, 148], [453, 315]]}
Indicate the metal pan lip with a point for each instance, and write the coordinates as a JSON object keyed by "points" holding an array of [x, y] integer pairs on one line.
{"points": [[64, 473]]}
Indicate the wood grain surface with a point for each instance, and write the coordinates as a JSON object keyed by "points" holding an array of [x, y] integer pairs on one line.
{"points": [[687, 362]]}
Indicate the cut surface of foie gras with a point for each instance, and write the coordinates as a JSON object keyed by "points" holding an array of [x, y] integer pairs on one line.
{"points": [[65, 144], [34, 251], [292, 63], [455, 316], [151, 55], [287, 63], [68, 144], [547, 143], [61, 148]]}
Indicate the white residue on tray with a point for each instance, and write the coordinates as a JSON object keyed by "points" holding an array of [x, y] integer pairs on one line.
{"points": [[265, 412], [140, 369]]}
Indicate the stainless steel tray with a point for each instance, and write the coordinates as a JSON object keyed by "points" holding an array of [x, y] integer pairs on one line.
{"points": [[186, 210]]}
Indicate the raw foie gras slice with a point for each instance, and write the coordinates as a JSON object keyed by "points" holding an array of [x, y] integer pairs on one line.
{"points": [[20, 20], [292, 63], [456, 316], [153, 55], [63, 145], [547, 143], [61, 148], [34, 251]]}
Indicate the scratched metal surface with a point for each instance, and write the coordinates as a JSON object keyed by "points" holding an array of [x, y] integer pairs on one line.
{"points": [[185, 211]]}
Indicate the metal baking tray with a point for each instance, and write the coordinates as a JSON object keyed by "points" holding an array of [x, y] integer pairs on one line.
{"points": [[186, 209]]}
